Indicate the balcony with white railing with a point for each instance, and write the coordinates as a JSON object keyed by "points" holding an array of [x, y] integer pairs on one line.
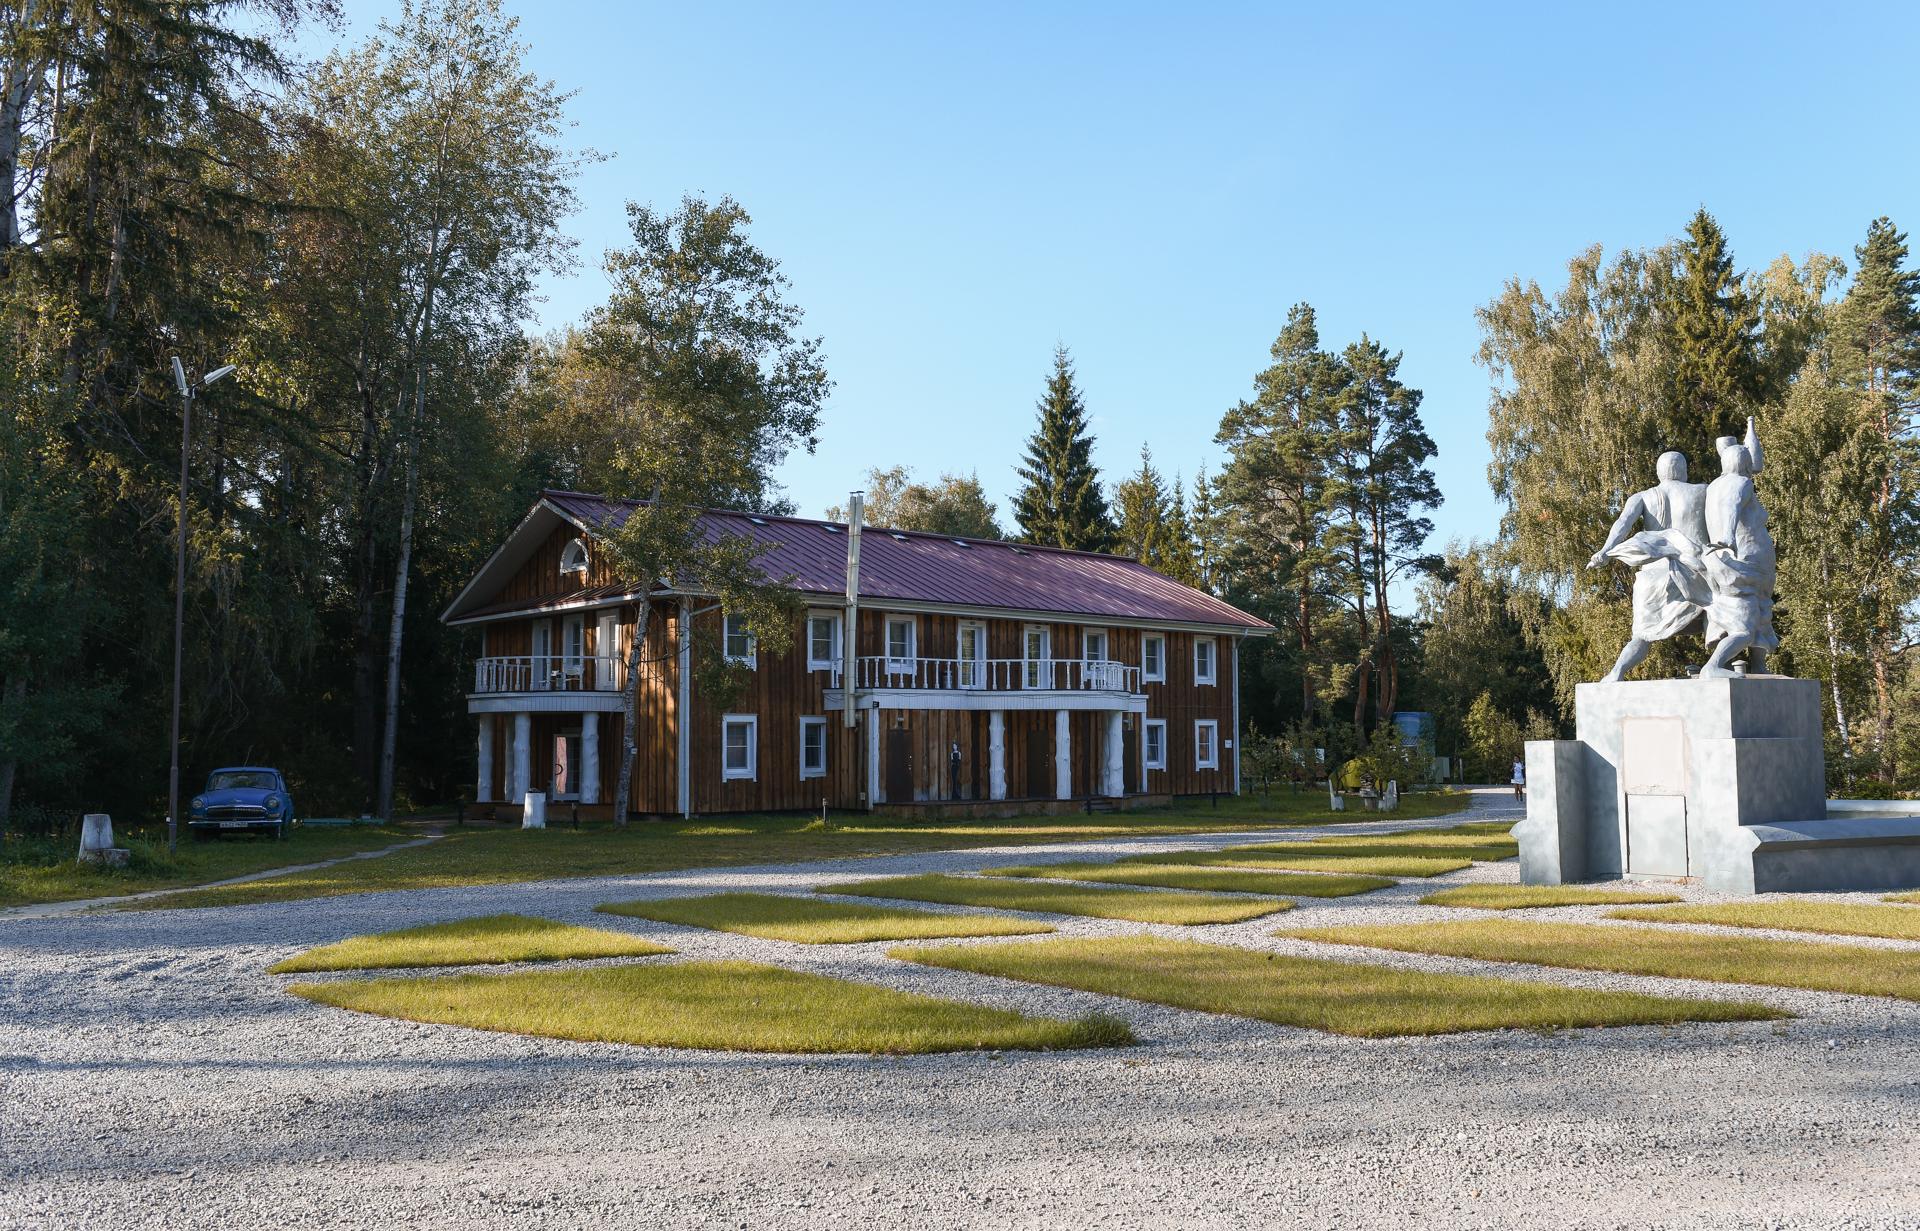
{"points": [[997, 675], [541, 673]]}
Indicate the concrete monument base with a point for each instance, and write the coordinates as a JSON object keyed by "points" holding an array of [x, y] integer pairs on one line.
{"points": [[1718, 780]]}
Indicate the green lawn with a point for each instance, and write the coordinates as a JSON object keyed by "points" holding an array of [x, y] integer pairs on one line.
{"points": [[1303, 857], [32, 872], [470, 942], [1481, 847], [1341, 997], [1650, 951], [813, 922], [1220, 880], [716, 1006], [1794, 915], [1529, 897], [1060, 898], [494, 856]]}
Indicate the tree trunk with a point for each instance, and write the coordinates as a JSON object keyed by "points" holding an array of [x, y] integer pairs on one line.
{"points": [[1883, 707], [13, 697], [1833, 673], [396, 627], [630, 712]]}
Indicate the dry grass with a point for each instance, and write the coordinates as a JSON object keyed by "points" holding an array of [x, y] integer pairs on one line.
{"points": [[1304, 857], [715, 1006], [1219, 880], [1650, 951], [1794, 915], [470, 942], [1905, 897], [1530, 897], [812, 922], [1137, 905], [1341, 997]]}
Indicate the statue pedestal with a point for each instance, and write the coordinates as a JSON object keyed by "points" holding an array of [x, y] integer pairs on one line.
{"points": [[1680, 778]]}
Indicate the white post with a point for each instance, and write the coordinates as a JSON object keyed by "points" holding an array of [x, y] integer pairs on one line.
{"points": [[522, 755], [1116, 766], [1062, 756], [483, 786], [872, 717], [683, 715], [589, 758], [997, 754]]}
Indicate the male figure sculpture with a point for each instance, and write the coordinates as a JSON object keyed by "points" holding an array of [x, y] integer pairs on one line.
{"points": [[1740, 563], [1669, 583]]}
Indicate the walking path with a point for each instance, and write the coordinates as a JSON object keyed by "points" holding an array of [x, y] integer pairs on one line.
{"points": [[154, 1075]]}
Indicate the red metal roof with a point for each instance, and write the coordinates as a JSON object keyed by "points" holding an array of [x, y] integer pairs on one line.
{"points": [[912, 566]]}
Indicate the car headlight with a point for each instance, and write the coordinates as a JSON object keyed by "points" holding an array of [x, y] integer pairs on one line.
{"points": [[199, 803], [273, 803]]}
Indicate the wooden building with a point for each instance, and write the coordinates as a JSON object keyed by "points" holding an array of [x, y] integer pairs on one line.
{"points": [[981, 675]]}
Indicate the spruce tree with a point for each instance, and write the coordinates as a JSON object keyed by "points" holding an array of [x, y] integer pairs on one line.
{"points": [[1717, 375], [1140, 513], [1180, 558], [1060, 503]]}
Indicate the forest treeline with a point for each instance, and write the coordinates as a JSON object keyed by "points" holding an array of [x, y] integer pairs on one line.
{"points": [[363, 236]]}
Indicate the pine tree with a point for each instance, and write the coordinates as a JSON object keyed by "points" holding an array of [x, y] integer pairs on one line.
{"points": [[1717, 378], [1060, 503], [1140, 513]]}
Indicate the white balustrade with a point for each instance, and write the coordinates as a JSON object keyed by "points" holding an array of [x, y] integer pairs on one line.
{"points": [[548, 673], [998, 674]]}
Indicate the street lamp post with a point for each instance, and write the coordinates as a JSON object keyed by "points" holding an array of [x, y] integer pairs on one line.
{"points": [[187, 390]]}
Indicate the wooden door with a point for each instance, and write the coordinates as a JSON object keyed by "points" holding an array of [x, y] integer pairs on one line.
{"points": [[1040, 784], [899, 783]]}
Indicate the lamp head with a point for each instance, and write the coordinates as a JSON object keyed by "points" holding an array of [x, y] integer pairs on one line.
{"points": [[216, 374], [180, 377]]}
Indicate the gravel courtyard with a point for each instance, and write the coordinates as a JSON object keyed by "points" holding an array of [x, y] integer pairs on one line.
{"points": [[152, 1075]]}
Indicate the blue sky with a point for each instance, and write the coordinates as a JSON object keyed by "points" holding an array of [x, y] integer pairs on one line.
{"points": [[953, 190]]}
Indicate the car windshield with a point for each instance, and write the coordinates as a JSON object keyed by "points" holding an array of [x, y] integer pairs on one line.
{"points": [[240, 779]]}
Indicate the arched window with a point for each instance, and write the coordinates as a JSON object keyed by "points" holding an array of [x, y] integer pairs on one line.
{"points": [[574, 558]]}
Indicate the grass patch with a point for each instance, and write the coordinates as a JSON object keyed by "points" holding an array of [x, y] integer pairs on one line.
{"points": [[715, 1006], [1480, 847], [34, 870], [470, 942], [1530, 897], [1341, 997], [1650, 951], [1220, 880], [1905, 897], [1137, 905], [1305, 858], [810, 922], [500, 856], [1794, 915]]}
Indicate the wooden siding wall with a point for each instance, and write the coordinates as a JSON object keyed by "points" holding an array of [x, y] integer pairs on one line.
{"points": [[540, 576], [781, 690]]}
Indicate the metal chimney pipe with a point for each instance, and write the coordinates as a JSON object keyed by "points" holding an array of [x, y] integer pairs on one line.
{"points": [[850, 623]]}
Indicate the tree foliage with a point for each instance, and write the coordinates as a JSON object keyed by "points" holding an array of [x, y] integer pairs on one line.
{"points": [[1060, 503]]}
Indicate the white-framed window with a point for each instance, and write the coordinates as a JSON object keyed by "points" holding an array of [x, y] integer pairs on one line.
{"points": [[1153, 658], [738, 640], [739, 746], [813, 748], [573, 645], [903, 636], [1036, 646], [823, 640], [573, 559], [1093, 645], [1206, 664], [1206, 744], [606, 648], [1154, 740], [971, 650]]}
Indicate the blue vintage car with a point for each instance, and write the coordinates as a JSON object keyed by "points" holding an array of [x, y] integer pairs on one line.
{"points": [[242, 797]]}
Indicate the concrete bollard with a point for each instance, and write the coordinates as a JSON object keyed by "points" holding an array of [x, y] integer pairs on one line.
{"points": [[96, 841], [533, 815]]}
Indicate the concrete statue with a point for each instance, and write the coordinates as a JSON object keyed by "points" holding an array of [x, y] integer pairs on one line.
{"points": [[1683, 568], [1720, 779]]}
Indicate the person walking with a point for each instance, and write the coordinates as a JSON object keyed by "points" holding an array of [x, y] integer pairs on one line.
{"points": [[1519, 779]]}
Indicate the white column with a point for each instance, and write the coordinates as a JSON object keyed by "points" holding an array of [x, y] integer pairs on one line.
{"points": [[997, 754], [1116, 766], [483, 787], [522, 757], [589, 758], [872, 718], [1062, 756]]}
